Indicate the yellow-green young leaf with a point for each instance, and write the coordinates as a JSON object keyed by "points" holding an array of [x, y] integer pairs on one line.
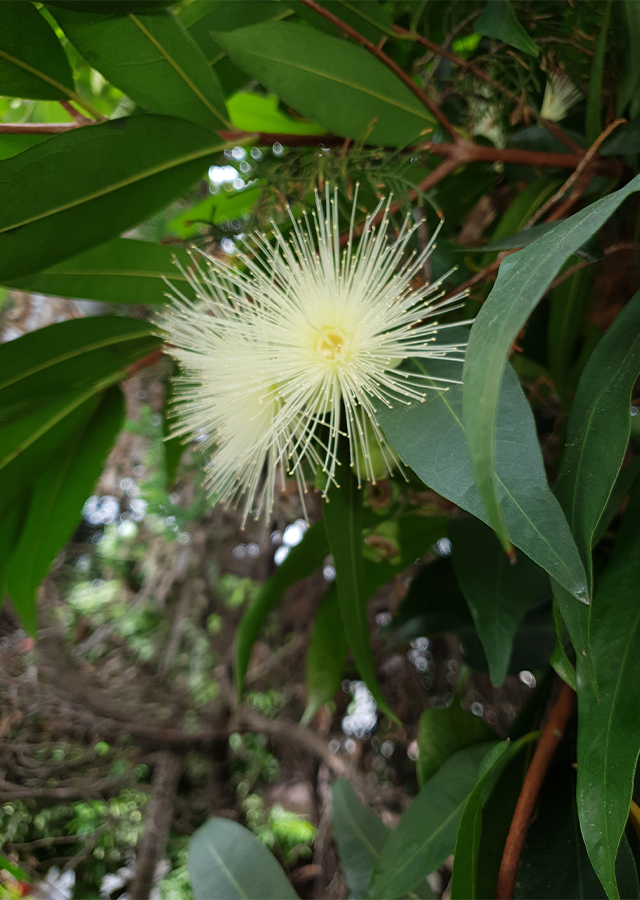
{"points": [[522, 280], [93, 183], [32, 61], [336, 84], [57, 500], [120, 271], [153, 59]]}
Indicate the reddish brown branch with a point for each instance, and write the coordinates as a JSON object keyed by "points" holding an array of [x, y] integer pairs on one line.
{"points": [[550, 739], [36, 127], [388, 62]]}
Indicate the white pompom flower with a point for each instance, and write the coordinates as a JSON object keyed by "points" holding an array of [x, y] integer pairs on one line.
{"points": [[281, 358]]}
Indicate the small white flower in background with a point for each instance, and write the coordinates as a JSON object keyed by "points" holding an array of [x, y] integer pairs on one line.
{"points": [[560, 94], [280, 359]]}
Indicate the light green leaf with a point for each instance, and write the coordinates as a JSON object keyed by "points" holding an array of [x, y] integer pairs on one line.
{"points": [[36, 67], [93, 183], [121, 271], [498, 21], [257, 112], [227, 862], [338, 85], [152, 59], [522, 280], [426, 833], [430, 438]]}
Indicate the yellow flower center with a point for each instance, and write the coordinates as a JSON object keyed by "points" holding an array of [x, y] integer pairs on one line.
{"points": [[332, 344]]}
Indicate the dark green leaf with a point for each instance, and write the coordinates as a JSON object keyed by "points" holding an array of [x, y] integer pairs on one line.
{"points": [[434, 605], [360, 836], [32, 61], [338, 85], [522, 280], [442, 732], [623, 484], [326, 655], [227, 862], [12, 144], [568, 305], [153, 59], [343, 523], [609, 725], [431, 439], [498, 593], [368, 17], [466, 879], [498, 21], [301, 562], [122, 271], [91, 184], [627, 89], [426, 833], [57, 501], [513, 241], [11, 523], [114, 7], [554, 860], [623, 140], [593, 123]]}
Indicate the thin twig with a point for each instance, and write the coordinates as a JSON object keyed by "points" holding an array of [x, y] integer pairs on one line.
{"points": [[550, 739], [37, 127], [388, 62], [77, 116]]}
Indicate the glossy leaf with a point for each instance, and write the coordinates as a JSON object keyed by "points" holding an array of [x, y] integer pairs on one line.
{"points": [[326, 655], [342, 511], [228, 862], [466, 879], [430, 438], [256, 112], [554, 861], [57, 500], [338, 85], [121, 271], [608, 722], [93, 183], [359, 834], [522, 280], [32, 61], [498, 593], [426, 833], [49, 382], [498, 21], [599, 426], [442, 732], [301, 562], [153, 60]]}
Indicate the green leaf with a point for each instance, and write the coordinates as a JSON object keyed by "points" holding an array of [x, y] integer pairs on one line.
{"points": [[466, 879], [623, 140], [498, 21], [153, 60], [627, 89], [49, 385], [359, 834], [593, 123], [522, 280], [57, 501], [215, 210], [498, 593], [32, 61], [623, 484], [342, 511], [326, 655], [257, 112], [370, 18], [338, 85], [442, 732], [568, 305], [121, 271], [554, 861], [513, 241], [426, 833], [10, 529], [12, 144], [608, 722], [93, 183], [430, 438], [301, 562], [599, 427], [227, 862]]}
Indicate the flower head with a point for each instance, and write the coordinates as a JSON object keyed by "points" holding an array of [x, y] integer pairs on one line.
{"points": [[560, 94], [281, 358]]}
